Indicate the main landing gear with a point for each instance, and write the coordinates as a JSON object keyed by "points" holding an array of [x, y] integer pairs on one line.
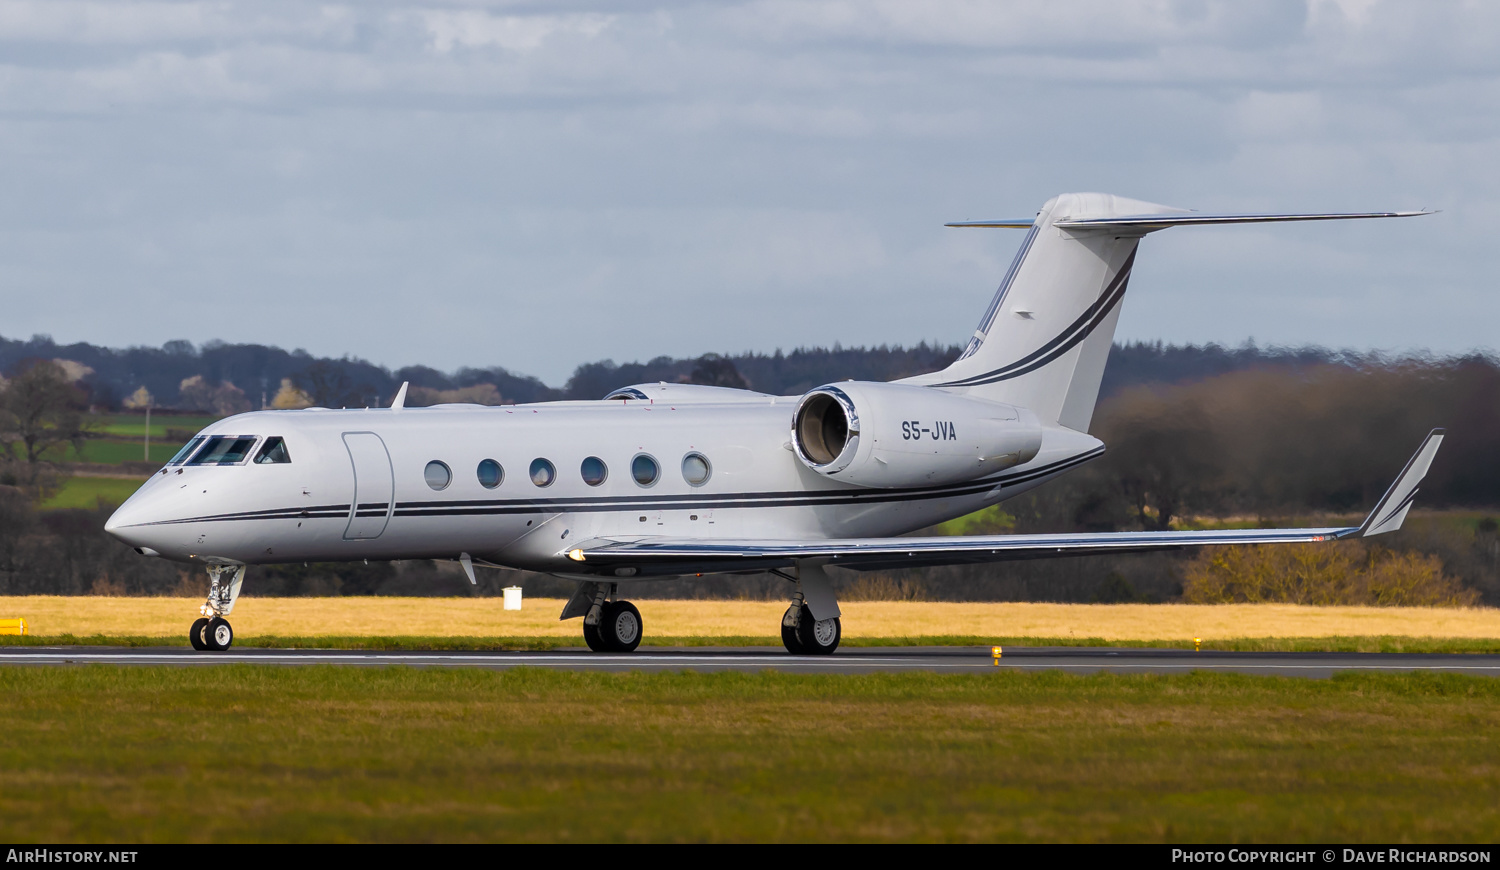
{"points": [[810, 627], [803, 633], [610, 626], [213, 631]]}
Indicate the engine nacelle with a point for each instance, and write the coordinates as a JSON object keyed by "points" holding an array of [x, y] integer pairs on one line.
{"points": [[894, 435]]}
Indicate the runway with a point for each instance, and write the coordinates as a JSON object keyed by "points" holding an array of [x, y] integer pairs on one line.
{"points": [[849, 660]]}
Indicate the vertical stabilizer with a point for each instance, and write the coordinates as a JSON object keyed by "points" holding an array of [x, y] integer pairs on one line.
{"points": [[1043, 341]]}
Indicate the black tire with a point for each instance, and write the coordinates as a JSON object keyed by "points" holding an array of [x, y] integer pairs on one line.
{"points": [[808, 634], [591, 634], [218, 635], [789, 636], [621, 627], [195, 634]]}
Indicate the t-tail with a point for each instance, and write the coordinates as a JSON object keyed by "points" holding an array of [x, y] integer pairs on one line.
{"points": [[1043, 341]]}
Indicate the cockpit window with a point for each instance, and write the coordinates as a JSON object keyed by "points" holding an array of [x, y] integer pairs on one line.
{"points": [[224, 450], [273, 452], [186, 451]]}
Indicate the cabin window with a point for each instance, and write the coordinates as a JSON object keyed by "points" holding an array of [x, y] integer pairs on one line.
{"points": [[594, 471], [186, 451], [695, 469], [224, 450], [542, 472], [490, 474], [273, 452], [644, 469], [437, 475]]}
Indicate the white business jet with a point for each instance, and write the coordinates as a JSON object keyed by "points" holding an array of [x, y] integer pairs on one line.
{"points": [[662, 480]]}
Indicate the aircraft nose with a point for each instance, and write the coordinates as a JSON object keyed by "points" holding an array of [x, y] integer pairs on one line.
{"points": [[118, 523], [127, 524]]}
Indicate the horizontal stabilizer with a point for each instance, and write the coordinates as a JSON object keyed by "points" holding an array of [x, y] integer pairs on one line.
{"points": [[648, 556], [1152, 222], [1018, 224]]}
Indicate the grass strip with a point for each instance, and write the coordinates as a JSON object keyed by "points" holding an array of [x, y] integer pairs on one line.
{"points": [[327, 754], [1371, 644]]}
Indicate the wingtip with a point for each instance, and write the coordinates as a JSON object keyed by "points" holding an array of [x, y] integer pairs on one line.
{"points": [[1390, 512]]}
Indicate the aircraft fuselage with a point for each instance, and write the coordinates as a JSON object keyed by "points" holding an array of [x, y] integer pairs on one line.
{"points": [[356, 485]]}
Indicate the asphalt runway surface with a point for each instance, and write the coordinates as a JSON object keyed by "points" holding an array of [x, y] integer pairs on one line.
{"points": [[849, 660]]}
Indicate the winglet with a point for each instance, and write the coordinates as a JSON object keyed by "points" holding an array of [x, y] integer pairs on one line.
{"points": [[1391, 510], [400, 400]]}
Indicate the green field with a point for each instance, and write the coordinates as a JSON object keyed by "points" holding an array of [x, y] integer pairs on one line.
{"points": [[90, 492], [128, 754], [134, 425], [113, 452]]}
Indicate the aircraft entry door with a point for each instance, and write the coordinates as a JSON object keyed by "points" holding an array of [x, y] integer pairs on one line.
{"points": [[374, 486]]}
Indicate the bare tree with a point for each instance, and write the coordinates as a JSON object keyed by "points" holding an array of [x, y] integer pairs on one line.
{"points": [[1165, 457], [41, 413], [330, 386]]}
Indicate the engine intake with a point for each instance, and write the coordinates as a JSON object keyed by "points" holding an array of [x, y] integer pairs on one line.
{"points": [[826, 427], [894, 435]]}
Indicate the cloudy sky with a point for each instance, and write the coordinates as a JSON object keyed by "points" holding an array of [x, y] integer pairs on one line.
{"points": [[539, 185]]}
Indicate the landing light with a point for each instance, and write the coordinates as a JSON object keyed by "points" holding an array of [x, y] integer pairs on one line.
{"points": [[575, 554]]}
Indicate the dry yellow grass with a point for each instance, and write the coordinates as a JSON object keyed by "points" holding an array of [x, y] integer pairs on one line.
{"points": [[485, 617]]}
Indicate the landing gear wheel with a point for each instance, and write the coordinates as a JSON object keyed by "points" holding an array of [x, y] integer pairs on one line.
{"points": [[217, 635], [819, 637], [789, 632], [620, 626], [592, 638], [195, 634]]}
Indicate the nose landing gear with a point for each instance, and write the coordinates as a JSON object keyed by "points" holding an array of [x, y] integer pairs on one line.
{"points": [[213, 631], [195, 634]]}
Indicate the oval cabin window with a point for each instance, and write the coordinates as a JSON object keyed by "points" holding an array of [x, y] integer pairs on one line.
{"points": [[490, 474], [594, 471], [437, 475], [695, 469], [644, 469]]}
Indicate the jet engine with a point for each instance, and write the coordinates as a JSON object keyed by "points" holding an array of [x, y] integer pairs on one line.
{"points": [[894, 435]]}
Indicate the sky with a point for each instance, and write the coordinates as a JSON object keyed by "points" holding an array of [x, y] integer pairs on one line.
{"points": [[538, 185]]}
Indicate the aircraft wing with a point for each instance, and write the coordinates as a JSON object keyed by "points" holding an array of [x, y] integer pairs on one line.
{"points": [[660, 555]]}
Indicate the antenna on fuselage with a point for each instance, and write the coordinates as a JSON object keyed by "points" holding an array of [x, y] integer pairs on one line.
{"points": [[400, 401]]}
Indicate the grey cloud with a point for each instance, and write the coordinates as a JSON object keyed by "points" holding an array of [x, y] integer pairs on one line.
{"points": [[536, 185]]}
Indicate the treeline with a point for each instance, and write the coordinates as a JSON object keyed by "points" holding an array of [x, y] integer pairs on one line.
{"points": [[1294, 445], [218, 377], [1196, 436]]}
